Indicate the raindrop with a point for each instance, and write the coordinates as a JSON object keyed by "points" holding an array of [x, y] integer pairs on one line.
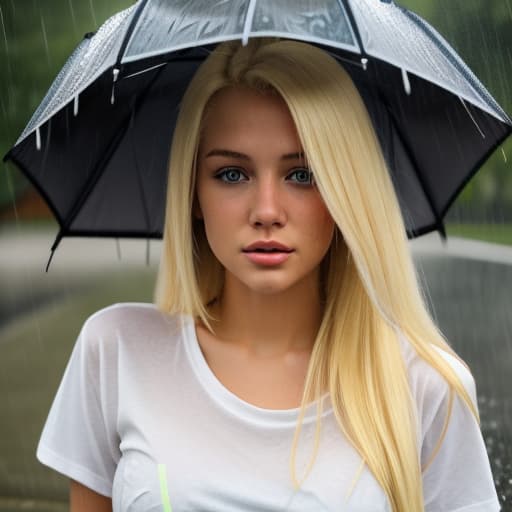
{"points": [[45, 38], [472, 118], [12, 194], [504, 155], [73, 17], [510, 12], [407, 83], [93, 13], [364, 62], [8, 71], [4, 31]]}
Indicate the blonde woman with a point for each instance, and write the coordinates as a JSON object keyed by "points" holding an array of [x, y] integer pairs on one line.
{"points": [[290, 362]]}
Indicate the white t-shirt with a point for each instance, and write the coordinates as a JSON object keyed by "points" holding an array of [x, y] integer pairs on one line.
{"points": [[141, 417]]}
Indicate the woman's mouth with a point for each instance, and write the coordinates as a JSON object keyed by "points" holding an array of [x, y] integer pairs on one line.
{"points": [[267, 257]]}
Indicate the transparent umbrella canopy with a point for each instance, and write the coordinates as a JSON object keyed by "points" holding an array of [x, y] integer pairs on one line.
{"points": [[90, 147]]}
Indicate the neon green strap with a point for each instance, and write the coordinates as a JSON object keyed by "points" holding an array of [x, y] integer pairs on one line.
{"points": [[162, 477]]}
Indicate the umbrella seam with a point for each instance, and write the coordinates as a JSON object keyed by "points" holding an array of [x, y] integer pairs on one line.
{"points": [[248, 21], [345, 5], [129, 33]]}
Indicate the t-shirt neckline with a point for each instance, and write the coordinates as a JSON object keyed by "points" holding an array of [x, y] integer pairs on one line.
{"points": [[234, 404]]}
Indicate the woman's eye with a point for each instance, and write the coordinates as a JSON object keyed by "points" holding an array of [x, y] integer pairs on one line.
{"points": [[229, 175], [303, 176]]}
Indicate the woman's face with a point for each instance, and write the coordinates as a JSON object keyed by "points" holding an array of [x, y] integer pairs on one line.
{"points": [[253, 186]]}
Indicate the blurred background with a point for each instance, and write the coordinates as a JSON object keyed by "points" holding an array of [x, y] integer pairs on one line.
{"points": [[468, 280]]}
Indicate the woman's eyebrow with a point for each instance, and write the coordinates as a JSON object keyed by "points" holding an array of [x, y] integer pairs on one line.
{"points": [[242, 156]]}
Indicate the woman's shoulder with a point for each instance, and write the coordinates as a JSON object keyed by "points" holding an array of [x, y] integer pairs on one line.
{"points": [[129, 314], [426, 381], [130, 322]]}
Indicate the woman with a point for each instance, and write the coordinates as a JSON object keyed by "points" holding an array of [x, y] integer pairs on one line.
{"points": [[291, 363]]}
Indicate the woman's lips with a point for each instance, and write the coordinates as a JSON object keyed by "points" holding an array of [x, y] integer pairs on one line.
{"points": [[267, 259]]}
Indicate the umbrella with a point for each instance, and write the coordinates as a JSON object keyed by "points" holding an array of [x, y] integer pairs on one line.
{"points": [[97, 146]]}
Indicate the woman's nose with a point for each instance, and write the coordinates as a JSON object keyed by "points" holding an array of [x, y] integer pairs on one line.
{"points": [[267, 208]]}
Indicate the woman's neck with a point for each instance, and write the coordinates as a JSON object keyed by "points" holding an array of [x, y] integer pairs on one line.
{"points": [[272, 324]]}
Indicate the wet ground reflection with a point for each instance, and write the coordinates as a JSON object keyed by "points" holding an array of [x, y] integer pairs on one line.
{"points": [[472, 301]]}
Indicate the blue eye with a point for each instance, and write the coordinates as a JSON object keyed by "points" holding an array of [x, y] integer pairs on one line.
{"points": [[303, 176], [229, 175]]}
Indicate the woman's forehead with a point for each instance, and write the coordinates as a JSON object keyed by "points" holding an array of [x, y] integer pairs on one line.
{"points": [[244, 116]]}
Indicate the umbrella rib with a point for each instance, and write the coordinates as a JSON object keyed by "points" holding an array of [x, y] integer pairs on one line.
{"points": [[129, 33], [426, 190], [346, 5], [248, 21]]}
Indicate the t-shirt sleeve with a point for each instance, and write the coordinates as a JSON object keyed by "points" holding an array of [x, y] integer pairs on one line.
{"points": [[80, 438], [459, 478]]}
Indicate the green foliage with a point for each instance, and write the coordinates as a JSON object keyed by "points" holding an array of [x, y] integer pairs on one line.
{"points": [[493, 233]]}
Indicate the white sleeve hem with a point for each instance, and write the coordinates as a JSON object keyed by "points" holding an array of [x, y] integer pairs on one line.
{"points": [[74, 471]]}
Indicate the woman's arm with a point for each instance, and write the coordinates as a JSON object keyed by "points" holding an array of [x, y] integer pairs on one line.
{"points": [[83, 499]]}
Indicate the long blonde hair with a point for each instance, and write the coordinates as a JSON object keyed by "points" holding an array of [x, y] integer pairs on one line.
{"points": [[371, 288]]}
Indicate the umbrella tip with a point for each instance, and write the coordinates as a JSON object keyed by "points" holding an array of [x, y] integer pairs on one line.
{"points": [[56, 243], [442, 233]]}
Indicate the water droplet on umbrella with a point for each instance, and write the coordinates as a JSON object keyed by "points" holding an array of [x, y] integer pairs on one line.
{"points": [[75, 106], [115, 73], [38, 139], [406, 82]]}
